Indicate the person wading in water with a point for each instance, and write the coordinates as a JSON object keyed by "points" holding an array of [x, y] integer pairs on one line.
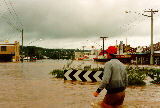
{"points": [[114, 80]]}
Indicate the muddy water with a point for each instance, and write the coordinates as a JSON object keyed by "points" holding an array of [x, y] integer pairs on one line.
{"points": [[79, 95], [29, 85]]}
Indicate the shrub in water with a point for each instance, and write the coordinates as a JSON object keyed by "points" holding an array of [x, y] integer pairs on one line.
{"points": [[97, 69], [154, 74], [58, 73], [136, 76]]}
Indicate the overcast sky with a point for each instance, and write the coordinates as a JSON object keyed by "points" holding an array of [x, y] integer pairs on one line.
{"points": [[77, 23]]}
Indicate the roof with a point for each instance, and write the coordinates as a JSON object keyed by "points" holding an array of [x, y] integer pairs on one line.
{"points": [[7, 44], [156, 51]]}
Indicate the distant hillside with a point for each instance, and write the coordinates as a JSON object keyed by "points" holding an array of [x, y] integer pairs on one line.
{"points": [[40, 52]]}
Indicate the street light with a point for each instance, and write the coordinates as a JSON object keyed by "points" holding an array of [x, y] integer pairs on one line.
{"points": [[103, 43]]}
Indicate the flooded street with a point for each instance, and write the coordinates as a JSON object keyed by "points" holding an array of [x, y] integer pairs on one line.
{"points": [[29, 85], [79, 95]]}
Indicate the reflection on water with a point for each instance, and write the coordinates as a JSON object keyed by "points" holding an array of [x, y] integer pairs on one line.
{"points": [[29, 85]]}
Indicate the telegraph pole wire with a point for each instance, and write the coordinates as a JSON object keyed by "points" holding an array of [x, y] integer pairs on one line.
{"points": [[14, 16], [12, 6]]}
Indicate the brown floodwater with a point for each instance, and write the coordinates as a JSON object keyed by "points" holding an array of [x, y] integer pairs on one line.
{"points": [[29, 85]]}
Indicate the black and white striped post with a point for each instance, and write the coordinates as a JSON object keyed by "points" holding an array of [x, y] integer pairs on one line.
{"points": [[83, 75]]}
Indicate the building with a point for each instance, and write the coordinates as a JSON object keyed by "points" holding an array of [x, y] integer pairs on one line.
{"points": [[9, 52], [82, 55], [94, 53], [156, 47], [124, 49]]}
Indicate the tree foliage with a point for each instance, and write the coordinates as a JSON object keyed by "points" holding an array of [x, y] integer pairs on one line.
{"points": [[50, 53]]}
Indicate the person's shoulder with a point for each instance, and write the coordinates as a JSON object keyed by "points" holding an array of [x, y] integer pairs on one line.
{"points": [[123, 66], [114, 60], [108, 63]]}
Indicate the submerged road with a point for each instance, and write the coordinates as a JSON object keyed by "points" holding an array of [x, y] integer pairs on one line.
{"points": [[29, 85]]}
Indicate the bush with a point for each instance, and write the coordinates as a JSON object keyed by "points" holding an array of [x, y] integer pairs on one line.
{"points": [[136, 76], [97, 69], [58, 73], [154, 74]]}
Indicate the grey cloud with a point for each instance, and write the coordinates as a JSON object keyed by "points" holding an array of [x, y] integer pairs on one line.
{"points": [[63, 19], [80, 18]]}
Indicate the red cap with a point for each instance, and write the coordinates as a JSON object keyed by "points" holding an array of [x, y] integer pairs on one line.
{"points": [[112, 50]]}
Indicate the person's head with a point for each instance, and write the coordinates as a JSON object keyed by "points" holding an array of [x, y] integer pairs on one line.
{"points": [[111, 51]]}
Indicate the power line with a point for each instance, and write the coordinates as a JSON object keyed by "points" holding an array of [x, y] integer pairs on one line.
{"points": [[15, 13], [14, 16], [10, 16]]}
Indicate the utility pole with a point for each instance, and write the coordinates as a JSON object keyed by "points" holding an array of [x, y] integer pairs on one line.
{"points": [[22, 45], [126, 48], [152, 49], [103, 43], [126, 41], [83, 50]]}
